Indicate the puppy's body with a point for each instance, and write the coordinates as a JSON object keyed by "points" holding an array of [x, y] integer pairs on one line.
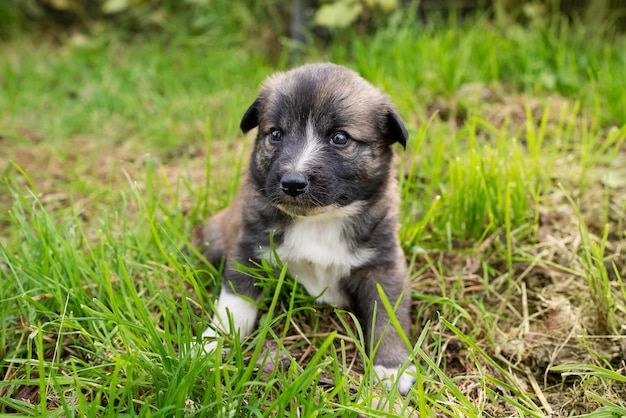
{"points": [[321, 181]]}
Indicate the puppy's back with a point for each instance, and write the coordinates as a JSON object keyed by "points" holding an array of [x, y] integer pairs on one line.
{"points": [[223, 230]]}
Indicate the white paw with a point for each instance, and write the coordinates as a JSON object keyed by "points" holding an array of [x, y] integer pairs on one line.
{"points": [[242, 312], [233, 314], [388, 375]]}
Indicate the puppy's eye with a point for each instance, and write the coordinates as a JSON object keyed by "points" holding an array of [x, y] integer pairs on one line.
{"points": [[276, 136], [340, 139]]}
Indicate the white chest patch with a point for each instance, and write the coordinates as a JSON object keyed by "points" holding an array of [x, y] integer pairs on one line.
{"points": [[318, 255]]}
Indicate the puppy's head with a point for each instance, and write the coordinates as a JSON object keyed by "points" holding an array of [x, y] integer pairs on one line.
{"points": [[324, 141]]}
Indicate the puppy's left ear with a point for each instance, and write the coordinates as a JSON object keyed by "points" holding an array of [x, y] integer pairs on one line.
{"points": [[250, 119], [395, 128]]}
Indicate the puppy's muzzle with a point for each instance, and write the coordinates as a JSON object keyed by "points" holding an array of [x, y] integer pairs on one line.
{"points": [[294, 183]]}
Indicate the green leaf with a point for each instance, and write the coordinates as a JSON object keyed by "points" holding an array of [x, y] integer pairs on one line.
{"points": [[338, 15], [115, 6]]}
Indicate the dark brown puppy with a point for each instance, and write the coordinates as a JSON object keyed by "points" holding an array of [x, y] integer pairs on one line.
{"points": [[322, 180]]}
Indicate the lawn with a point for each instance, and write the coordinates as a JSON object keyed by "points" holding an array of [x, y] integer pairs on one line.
{"points": [[115, 148]]}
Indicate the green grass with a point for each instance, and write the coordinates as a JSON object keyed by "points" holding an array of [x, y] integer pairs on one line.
{"points": [[112, 150]]}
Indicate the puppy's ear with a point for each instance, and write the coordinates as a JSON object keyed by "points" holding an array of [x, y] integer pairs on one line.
{"points": [[396, 131], [250, 119]]}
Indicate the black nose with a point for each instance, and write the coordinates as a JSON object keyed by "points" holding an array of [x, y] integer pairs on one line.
{"points": [[294, 184]]}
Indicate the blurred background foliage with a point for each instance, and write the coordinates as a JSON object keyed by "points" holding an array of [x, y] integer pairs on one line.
{"points": [[274, 23]]}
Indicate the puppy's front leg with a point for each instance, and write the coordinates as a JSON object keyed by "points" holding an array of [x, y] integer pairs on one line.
{"points": [[392, 351], [232, 305]]}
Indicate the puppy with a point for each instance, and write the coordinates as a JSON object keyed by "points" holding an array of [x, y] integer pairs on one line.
{"points": [[321, 179]]}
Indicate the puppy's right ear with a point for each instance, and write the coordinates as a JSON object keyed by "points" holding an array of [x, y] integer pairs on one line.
{"points": [[396, 130], [250, 119]]}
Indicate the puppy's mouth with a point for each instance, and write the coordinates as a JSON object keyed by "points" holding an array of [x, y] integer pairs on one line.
{"points": [[300, 209], [295, 195], [302, 196]]}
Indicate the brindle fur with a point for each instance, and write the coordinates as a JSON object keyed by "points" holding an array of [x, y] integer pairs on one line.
{"points": [[323, 98]]}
